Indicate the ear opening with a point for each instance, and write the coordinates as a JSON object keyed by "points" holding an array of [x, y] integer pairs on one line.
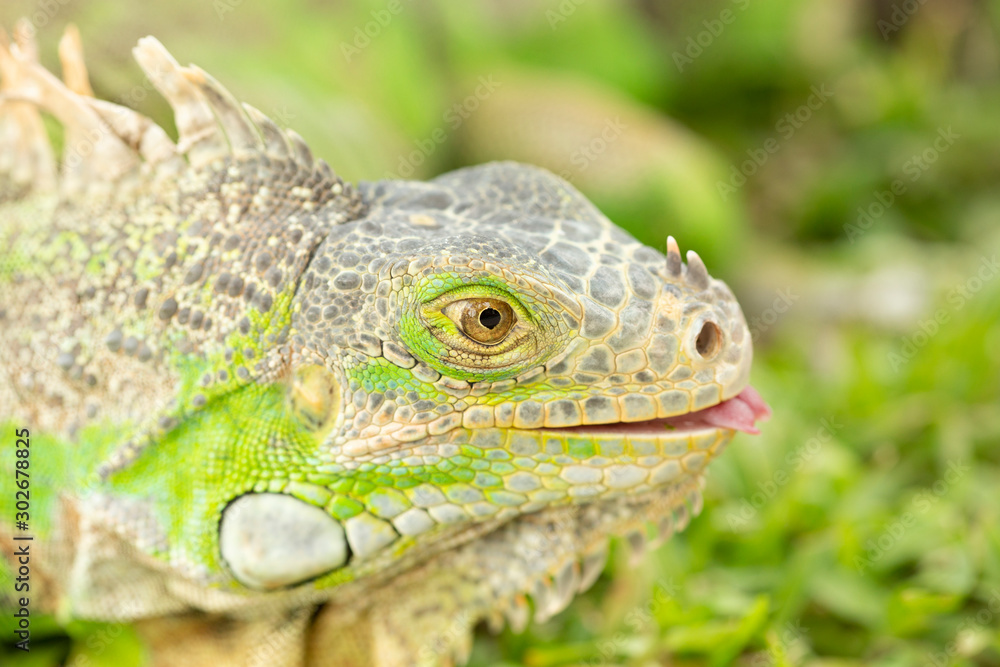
{"points": [[314, 398]]}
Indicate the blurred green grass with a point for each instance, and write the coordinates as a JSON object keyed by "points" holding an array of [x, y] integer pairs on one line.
{"points": [[862, 527]]}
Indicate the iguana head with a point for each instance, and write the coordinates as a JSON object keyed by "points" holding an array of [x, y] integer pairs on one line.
{"points": [[327, 385], [486, 346]]}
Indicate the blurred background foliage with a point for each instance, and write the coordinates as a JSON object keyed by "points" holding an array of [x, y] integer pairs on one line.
{"points": [[836, 161]]}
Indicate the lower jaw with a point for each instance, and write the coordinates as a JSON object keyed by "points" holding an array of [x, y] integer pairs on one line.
{"points": [[567, 528], [545, 468]]}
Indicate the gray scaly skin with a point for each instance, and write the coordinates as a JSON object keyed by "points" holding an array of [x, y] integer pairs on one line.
{"points": [[280, 420]]}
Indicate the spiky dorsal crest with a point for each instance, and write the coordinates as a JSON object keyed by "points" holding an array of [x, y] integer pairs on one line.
{"points": [[107, 142]]}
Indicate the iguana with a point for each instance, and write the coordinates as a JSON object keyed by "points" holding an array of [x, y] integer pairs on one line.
{"points": [[273, 418]]}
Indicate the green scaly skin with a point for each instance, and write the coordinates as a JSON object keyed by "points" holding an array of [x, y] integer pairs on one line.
{"points": [[259, 434]]}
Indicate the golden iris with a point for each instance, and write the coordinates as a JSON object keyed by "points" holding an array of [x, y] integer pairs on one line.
{"points": [[483, 319]]}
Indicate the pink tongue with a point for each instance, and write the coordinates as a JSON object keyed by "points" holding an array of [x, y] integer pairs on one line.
{"points": [[739, 413], [761, 410]]}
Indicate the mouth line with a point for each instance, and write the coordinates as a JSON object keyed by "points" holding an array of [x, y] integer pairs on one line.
{"points": [[739, 413]]}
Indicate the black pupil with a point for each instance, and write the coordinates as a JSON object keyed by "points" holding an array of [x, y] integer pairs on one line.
{"points": [[490, 318]]}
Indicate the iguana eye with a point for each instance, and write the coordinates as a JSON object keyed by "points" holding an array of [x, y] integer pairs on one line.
{"points": [[478, 331], [485, 320]]}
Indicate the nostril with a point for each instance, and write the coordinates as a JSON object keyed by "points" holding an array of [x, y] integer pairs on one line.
{"points": [[709, 341]]}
